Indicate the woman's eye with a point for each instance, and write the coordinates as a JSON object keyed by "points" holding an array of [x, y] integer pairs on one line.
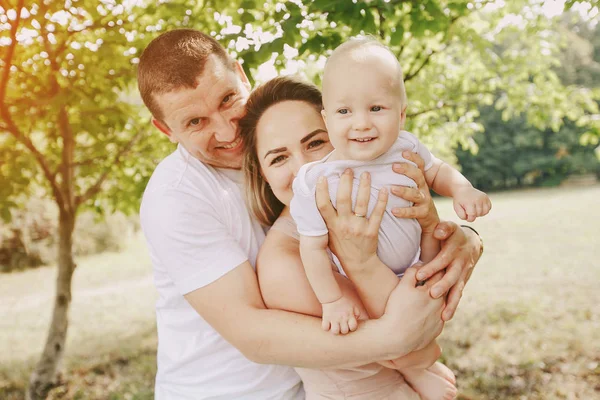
{"points": [[315, 143], [277, 160], [376, 108], [343, 111]]}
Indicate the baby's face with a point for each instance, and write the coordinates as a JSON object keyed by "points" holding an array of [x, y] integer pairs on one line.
{"points": [[362, 108]]}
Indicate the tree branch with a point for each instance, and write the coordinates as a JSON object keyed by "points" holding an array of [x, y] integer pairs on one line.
{"points": [[414, 73], [95, 188], [381, 22], [5, 4], [428, 110]]}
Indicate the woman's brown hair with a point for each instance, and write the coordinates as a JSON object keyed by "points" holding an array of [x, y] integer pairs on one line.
{"points": [[259, 196]]}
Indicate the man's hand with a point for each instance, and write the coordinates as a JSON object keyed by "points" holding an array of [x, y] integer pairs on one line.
{"points": [[423, 208], [460, 252], [340, 316], [470, 203]]}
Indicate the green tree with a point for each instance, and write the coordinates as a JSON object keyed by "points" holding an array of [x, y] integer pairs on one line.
{"points": [[512, 153], [68, 128]]}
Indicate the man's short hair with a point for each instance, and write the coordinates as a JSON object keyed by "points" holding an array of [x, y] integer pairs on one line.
{"points": [[174, 61]]}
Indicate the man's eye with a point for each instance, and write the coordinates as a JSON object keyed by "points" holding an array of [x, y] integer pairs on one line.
{"points": [[277, 160], [315, 143], [343, 111], [226, 99], [194, 122], [376, 108]]}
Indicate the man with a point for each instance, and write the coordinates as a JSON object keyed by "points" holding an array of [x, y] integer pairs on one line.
{"points": [[216, 339]]}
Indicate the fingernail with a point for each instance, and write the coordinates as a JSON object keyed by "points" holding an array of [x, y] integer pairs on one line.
{"points": [[347, 171], [321, 179], [406, 153], [440, 232], [420, 275], [383, 190], [436, 292]]}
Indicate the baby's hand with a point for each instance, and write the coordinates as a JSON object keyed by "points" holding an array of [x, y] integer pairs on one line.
{"points": [[470, 203], [340, 316]]}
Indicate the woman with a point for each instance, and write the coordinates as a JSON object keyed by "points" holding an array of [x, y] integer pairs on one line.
{"points": [[283, 130]]}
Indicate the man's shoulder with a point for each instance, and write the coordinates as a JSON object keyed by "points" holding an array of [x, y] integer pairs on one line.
{"points": [[178, 173], [178, 185]]}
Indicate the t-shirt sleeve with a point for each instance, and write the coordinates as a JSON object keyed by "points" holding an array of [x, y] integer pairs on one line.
{"points": [[420, 149], [189, 240], [305, 212]]}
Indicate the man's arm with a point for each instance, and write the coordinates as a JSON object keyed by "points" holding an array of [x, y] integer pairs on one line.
{"points": [[232, 305]]}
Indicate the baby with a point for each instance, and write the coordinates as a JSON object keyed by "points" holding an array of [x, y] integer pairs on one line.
{"points": [[364, 104]]}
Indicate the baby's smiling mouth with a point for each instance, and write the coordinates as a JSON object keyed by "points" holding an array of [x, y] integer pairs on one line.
{"points": [[363, 140]]}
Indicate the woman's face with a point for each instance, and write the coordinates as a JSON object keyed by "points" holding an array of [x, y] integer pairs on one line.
{"points": [[288, 135]]}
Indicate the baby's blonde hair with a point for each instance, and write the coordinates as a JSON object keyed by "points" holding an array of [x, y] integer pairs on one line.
{"points": [[361, 48]]}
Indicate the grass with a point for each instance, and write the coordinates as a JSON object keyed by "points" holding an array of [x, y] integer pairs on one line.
{"points": [[527, 327]]}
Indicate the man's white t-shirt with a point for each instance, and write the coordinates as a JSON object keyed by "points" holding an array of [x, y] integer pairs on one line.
{"points": [[198, 229], [399, 239]]}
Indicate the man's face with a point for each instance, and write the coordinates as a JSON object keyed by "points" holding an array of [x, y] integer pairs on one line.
{"points": [[205, 119]]}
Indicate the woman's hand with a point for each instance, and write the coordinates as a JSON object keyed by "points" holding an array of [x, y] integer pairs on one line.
{"points": [[423, 208], [352, 236]]}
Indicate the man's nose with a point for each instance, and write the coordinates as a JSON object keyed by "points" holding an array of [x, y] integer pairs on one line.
{"points": [[226, 128]]}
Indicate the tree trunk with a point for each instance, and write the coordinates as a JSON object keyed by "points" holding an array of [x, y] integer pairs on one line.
{"points": [[45, 374]]}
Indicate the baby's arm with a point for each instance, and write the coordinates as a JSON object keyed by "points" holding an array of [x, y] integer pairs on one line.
{"points": [[339, 312], [469, 203]]}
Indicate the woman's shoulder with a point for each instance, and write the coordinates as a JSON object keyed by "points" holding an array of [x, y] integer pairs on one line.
{"points": [[281, 241]]}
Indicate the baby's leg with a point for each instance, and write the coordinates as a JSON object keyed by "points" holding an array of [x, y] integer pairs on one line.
{"points": [[434, 383]]}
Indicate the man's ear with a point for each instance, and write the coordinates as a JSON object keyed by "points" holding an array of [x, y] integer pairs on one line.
{"points": [[164, 129], [242, 75]]}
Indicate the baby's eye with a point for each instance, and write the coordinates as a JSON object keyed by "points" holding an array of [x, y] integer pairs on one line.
{"points": [[343, 111], [277, 160], [194, 122], [315, 143], [376, 108]]}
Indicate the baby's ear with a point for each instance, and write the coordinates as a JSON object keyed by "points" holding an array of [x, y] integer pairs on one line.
{"points": [[403, 116], [324, 115]]}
